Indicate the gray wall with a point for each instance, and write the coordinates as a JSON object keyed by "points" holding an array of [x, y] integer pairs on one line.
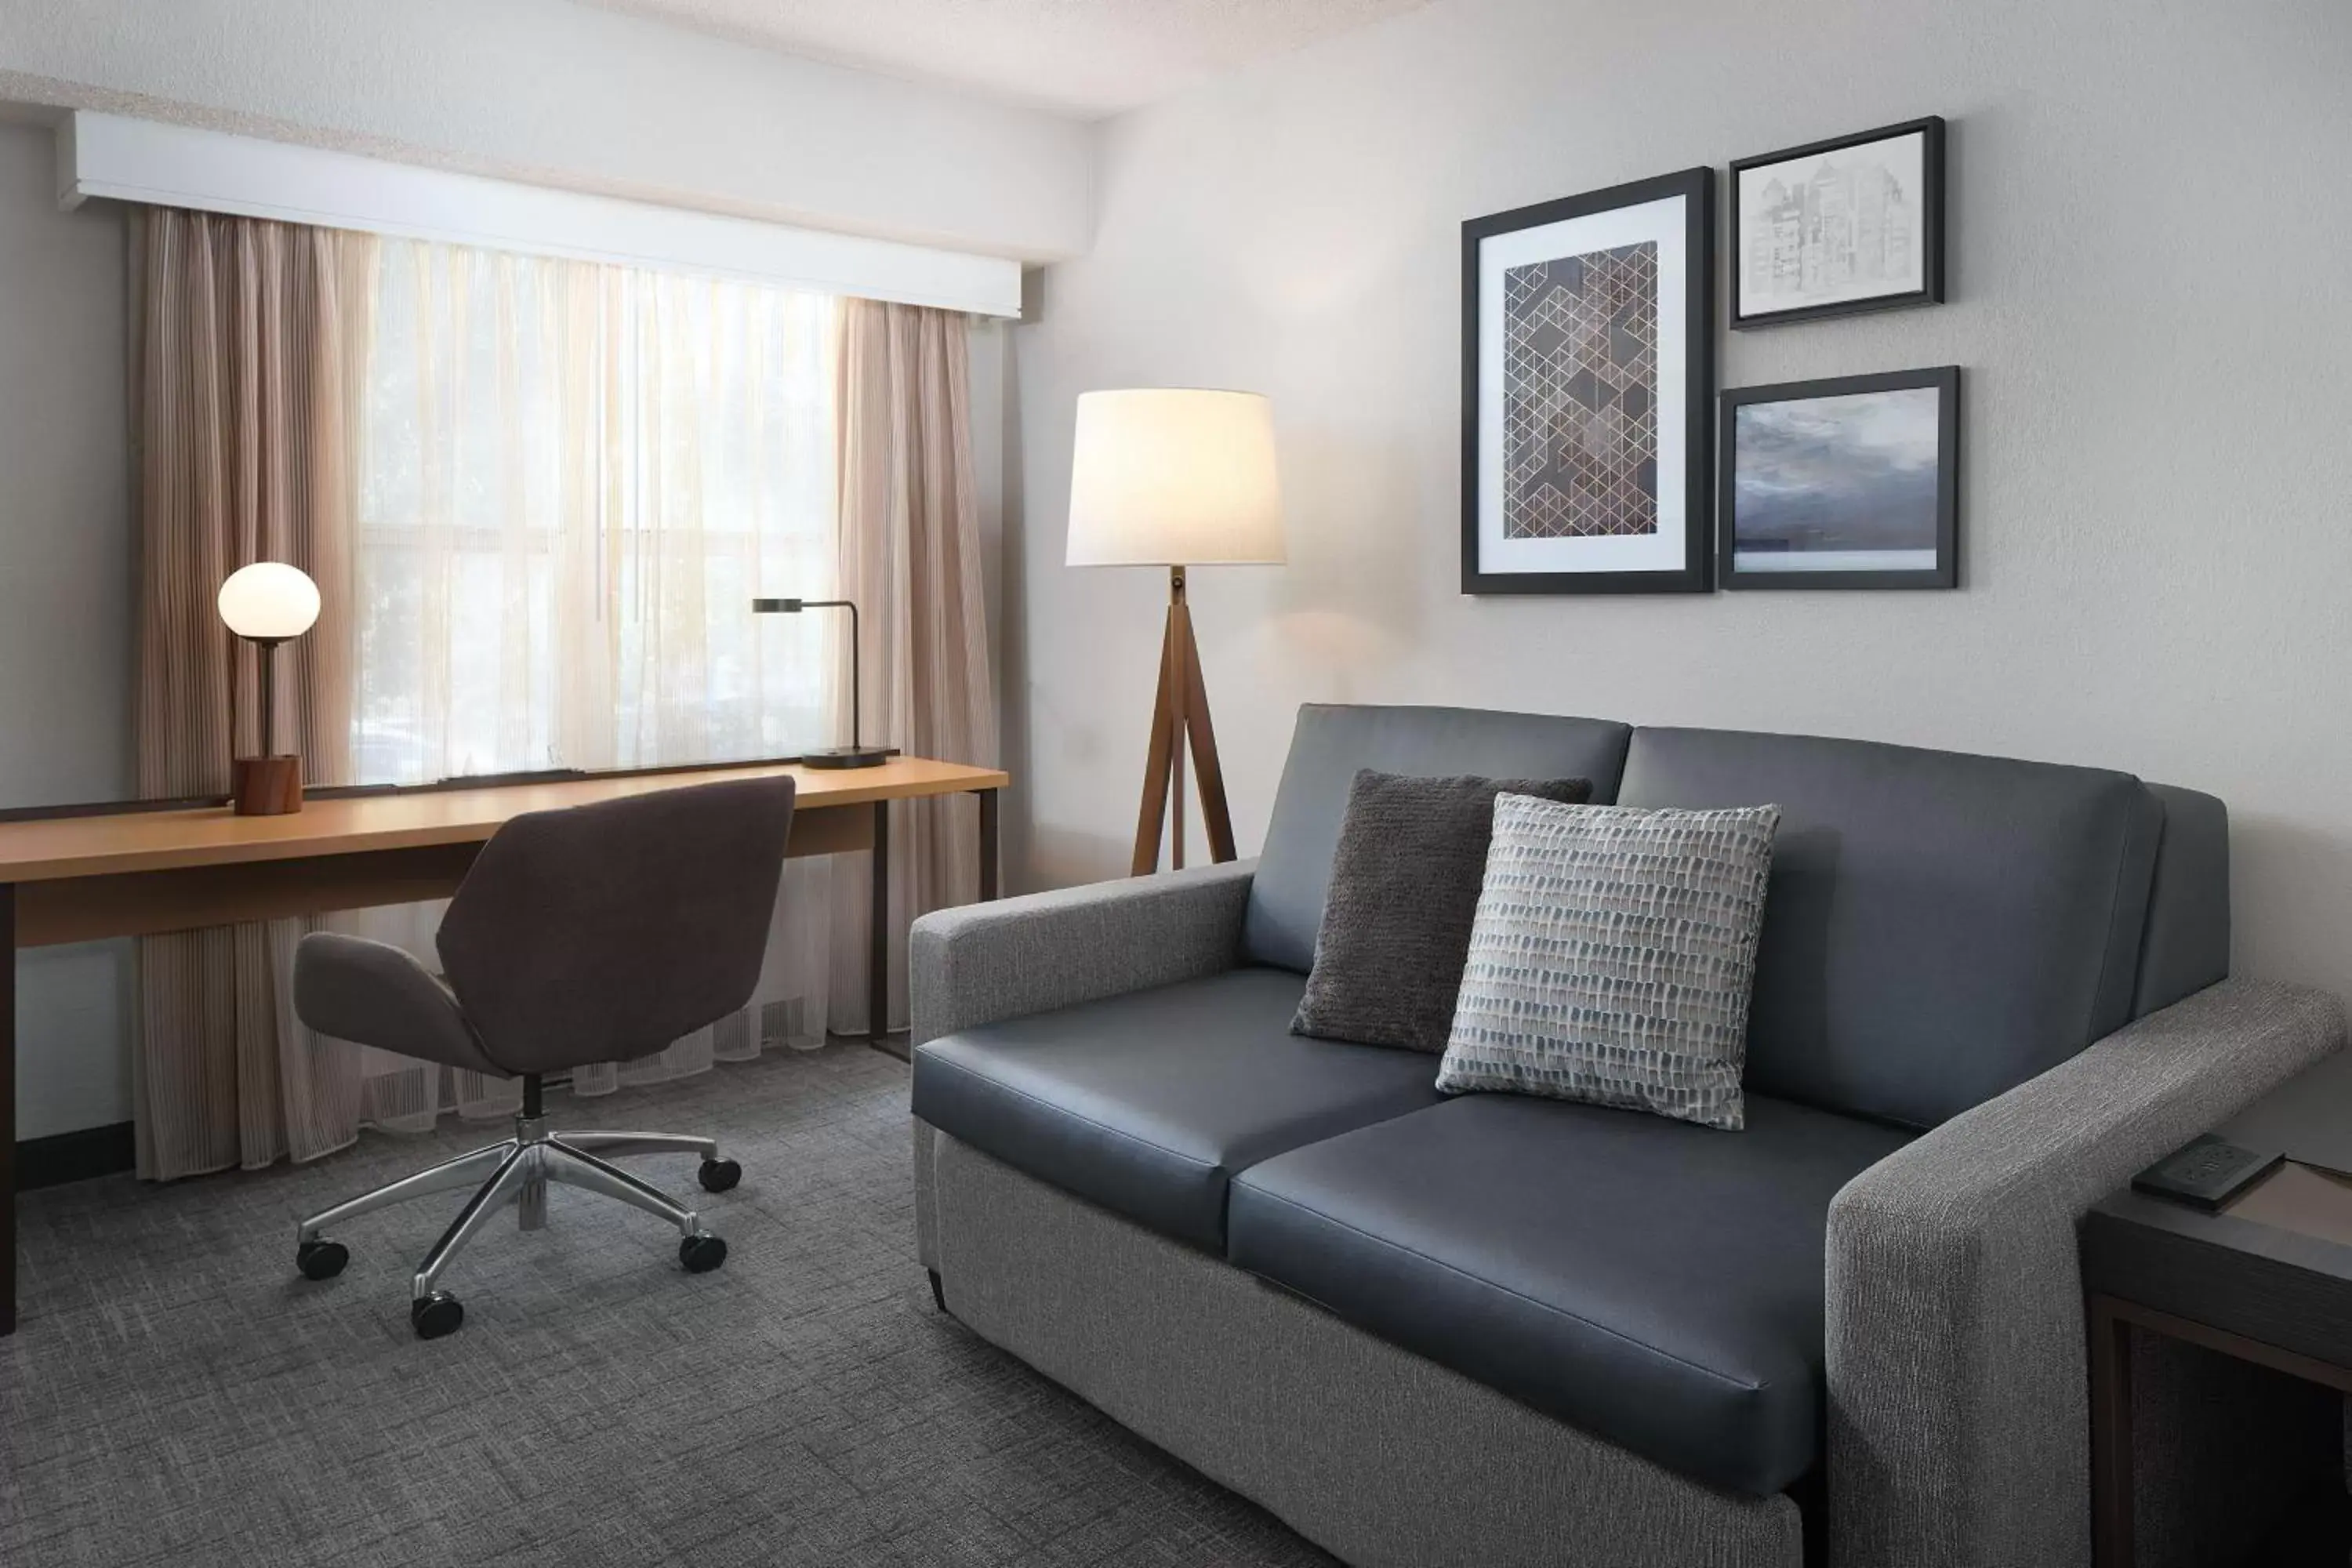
{"points": [[576, 96], [2149, 290], [65, 577]]}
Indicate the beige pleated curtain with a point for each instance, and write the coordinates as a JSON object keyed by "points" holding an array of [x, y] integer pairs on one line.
{"points": [[910, 558], [259, 438], [247, 341]]}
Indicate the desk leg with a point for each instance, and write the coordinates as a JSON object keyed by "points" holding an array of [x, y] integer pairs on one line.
{"points": [[2111, 1437], [877, 962], [989, 862], [8, 1108]]}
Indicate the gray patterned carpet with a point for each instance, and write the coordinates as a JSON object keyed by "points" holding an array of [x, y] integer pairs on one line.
{"points": [[177, 1395]]}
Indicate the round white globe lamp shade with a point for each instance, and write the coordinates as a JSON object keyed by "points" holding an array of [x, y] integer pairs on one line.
{"points": [[269, 602]]}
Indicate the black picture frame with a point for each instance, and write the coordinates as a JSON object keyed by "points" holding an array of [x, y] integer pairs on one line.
{"points": [[1946, 573], [1931, 229], [1694, 573]]}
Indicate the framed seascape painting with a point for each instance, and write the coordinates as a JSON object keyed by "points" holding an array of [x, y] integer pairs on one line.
{"points": [[1847, 483], [1588, 361], [1854, 224]]}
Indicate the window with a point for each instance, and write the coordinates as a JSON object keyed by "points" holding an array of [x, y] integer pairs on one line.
{"points": [[573, 480]]}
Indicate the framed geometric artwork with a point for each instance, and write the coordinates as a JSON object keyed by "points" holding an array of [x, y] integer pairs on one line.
{"points": [[1848, 225], [1587, 368], [1852, 482]]}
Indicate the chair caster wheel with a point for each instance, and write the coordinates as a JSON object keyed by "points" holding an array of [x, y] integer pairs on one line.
{"points": [[320, 1259], [701, 1254], [718, 1175], [436, 1315]]}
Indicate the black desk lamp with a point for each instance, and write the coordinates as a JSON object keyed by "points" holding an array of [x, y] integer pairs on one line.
{"points": [[852, 755]]}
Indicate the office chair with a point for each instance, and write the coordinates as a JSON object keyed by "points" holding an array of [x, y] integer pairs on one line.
{"points": [[592, 934]]}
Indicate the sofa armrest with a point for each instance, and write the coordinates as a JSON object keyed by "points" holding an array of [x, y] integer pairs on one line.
{"points": [[983, 963], [1958, 1414]]}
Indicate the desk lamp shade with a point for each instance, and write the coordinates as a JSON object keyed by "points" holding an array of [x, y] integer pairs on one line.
{"points": [[267, 604], [1176, 478]]}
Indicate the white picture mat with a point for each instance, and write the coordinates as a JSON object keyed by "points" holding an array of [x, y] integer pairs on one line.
{"points": [[1762, 560], [1663, 222], [1905, 157]]}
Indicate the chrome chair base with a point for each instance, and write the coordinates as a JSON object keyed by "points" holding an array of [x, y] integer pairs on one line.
{"points": [[517, 1170]]}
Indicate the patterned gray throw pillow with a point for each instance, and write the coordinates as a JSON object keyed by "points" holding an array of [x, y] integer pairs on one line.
{"points": [[1404, 883], [1613, 956]]}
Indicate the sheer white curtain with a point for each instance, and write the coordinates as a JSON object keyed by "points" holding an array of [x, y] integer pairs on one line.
{"points": [[572, 481]]}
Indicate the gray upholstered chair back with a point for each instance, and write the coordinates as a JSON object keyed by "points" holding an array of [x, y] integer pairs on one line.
{"points": [[605, 931]]}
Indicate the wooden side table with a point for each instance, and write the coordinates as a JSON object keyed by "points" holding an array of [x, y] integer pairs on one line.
{"points": [[2265, 1280]]}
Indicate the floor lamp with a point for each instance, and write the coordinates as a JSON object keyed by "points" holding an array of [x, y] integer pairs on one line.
{"points": [[1176, 478]]}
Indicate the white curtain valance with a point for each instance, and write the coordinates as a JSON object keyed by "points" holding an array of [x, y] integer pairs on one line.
{"points": [[112, 156]]}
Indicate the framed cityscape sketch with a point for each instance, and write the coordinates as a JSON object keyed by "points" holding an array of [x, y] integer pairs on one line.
{"points": [[1853, 482], [1854, 224], [1587, 368]]}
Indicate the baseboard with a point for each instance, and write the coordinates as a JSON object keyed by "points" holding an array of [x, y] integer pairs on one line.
{"points": [[75, 1156]]}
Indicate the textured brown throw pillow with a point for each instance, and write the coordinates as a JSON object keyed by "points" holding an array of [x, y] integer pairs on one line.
{"points": [[1404, 891]]}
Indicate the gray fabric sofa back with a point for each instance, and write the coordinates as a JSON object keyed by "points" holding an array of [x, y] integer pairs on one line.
{"points": [[1940, 927], [1294, 872]]}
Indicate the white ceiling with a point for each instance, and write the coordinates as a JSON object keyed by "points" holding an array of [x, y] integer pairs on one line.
{"points": [[1086, 57]]}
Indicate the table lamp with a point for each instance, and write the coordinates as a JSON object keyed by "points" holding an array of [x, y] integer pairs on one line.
{"points": [[855, 755], [1176, 478], [267, 604]]}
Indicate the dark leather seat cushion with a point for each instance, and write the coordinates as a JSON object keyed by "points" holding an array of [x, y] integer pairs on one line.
{"points": [[1656, 1284], [1148, 1104]]}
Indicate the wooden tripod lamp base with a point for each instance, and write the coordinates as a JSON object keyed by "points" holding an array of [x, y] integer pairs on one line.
{"points": [[1180, 721]]}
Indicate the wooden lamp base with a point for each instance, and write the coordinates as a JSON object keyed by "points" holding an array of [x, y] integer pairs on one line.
{"points": [[1180, 721], [266, 786]]}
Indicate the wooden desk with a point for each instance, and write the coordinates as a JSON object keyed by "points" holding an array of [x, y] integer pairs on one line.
{"points": [[137, 872]]}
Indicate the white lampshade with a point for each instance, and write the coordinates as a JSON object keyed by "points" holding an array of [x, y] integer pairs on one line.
{"points": [[269, 602], [1174, 477]]}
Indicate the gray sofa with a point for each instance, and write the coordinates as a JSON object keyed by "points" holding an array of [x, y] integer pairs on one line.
{"points": [[1490, 1330]]}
